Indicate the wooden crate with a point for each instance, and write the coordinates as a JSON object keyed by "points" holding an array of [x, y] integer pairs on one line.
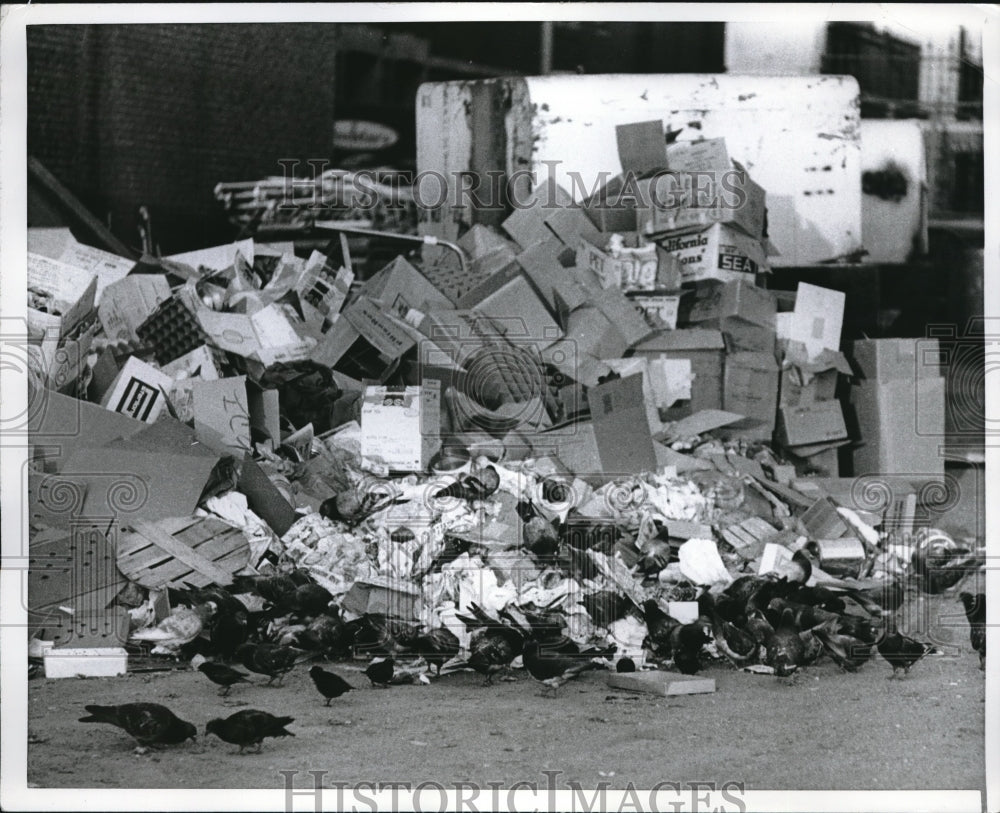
{"points": [[198, 551]]}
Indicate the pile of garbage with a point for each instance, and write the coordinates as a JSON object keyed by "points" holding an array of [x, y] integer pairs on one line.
{"points": [[571, 435]]}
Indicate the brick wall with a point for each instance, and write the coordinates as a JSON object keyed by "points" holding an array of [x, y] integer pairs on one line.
{"points": [[158, 114]]}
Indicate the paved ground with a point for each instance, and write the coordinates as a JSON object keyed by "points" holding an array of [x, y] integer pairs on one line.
{"points": [[830, 731]]}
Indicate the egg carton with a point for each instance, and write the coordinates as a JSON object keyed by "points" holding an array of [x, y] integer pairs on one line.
{"points": [[173, 330]]}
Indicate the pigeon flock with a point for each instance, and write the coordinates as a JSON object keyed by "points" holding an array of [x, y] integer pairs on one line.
{"points": [[772, 624]]}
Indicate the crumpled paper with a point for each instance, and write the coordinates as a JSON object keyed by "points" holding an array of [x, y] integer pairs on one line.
{"points": [[334, 558], [701, 564]]}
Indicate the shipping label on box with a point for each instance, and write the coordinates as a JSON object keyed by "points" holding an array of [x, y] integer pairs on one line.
{"points": [[633, 269], [718, 253], [659, 309], [394, 422], [704, 349], [138, 392]]}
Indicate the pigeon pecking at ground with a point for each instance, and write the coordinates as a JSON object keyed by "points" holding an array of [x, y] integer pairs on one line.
{"points": [[150, 724], [249, 727]]}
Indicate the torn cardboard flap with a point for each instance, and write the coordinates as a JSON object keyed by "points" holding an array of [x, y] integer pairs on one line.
{"points": [[129, 302], [699, 423], [642, 146]]}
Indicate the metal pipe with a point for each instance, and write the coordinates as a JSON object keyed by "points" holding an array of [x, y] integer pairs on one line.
{"points": [[426, 239], [545, 67]]}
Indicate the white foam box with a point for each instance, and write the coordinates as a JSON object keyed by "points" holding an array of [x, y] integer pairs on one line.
{"points": [[98, 662], [661, 683]]}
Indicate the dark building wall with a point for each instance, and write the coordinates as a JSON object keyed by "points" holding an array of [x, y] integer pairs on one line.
{"points": [[158, 114]]}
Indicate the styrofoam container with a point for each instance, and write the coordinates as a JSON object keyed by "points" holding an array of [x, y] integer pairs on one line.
{"points": [[98, 662]]}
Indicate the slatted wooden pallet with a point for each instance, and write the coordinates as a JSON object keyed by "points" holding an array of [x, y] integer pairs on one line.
{"points": [[198, 551]]}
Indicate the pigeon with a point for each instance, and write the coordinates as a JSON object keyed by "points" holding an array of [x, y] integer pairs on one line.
{"points": [[900, 651], [848, 652], [380, 671], [494, 644], [329, 684], [150, 724], [311, 599], [249, 727], [659, 627], [553, 670], [625, 666], [228, 632], [783, 650], [540, 537], [222, 675], [181, 627], [268, 659], [477, 485], [436, 646], [686, 642], [975, 612]]}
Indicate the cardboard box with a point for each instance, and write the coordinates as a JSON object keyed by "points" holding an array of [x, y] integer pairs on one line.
{"points": [[59, 295], [741, 310], [664, 684], [658, 308], [641, 146], [717, 252], [818, 423], [750, 388], [633, 269], [67, 663], [364, 342], [704, 348], [382, 596], [900, 407], [139, 391], [702, 186], [804, 381], [612, 208], [512, 301], [399, 425], [399, 286]]}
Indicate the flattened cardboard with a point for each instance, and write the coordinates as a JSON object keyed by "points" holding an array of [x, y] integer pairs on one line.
{"points": [[139, 483], [817, 318], [621, 429], [138, 391], [222, 414], [126, 304], [264, 499], [642, 146], [700, 422]]}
